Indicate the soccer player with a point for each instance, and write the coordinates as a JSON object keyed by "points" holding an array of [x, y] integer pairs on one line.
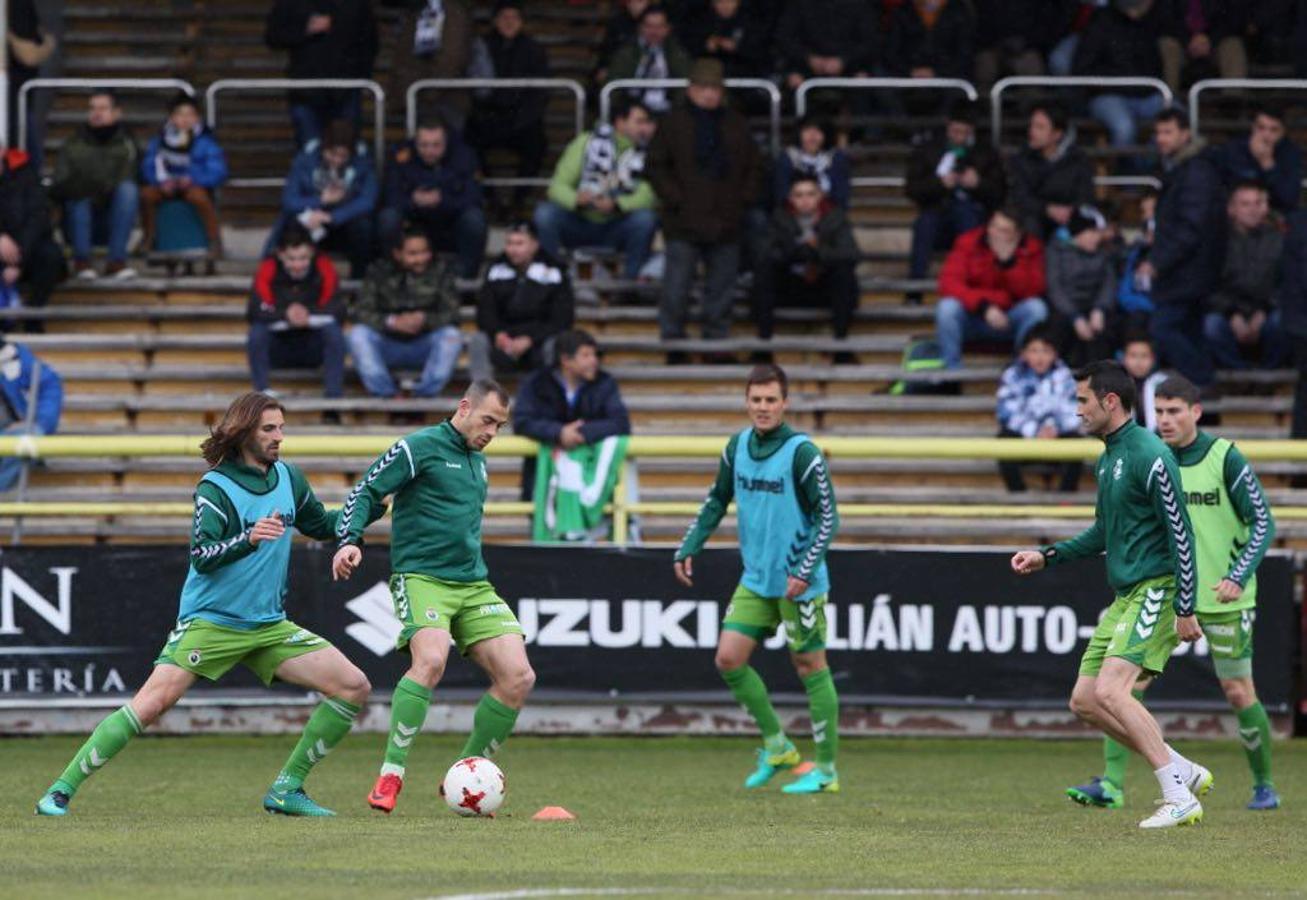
{"points": [[1233, 529], [1140, 521], [785, 508], [231, 608], [438, 582]]}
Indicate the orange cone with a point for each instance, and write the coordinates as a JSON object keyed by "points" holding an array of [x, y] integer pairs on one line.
{"points": [[552, 814]]}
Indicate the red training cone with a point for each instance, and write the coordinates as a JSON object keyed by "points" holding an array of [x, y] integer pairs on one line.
{"points": [[552, 814]]}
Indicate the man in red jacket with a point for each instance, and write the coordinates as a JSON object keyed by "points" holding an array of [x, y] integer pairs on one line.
{"points": [[990, 287]]}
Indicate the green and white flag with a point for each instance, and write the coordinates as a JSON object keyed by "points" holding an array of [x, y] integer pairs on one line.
{"points": [[573, 487]]}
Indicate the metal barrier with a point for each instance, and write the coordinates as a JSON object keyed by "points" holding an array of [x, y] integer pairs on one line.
{"points": [[1099, 181], [1261, 84], [816, 84], [298, 84], [1053, 81], [755, 84], [91, 84]]}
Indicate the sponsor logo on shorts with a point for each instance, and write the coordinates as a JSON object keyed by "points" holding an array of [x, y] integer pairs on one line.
{"points": [[494, 609], [303, 636], [432, 615], [1222, 630], [194, 658]]}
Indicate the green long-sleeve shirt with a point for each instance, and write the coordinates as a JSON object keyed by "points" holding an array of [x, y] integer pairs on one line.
{"points": [[809, 474], [625, 184], [1140, 518], [439, 486]]}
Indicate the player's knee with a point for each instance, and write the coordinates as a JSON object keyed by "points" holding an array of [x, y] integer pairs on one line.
{"points": [[1108, 695], [1082, 703], [805, 664], [427, 670], [1239, 691], [355, 687], [728, 661], [518, 682]]}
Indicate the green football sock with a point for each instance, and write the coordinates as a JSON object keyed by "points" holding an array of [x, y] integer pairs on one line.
{"points": [[328, 725], [824, 707], [749, 691], [492, 723], [110, 736], [1255, 732], [1116, 756], [408, 710]]}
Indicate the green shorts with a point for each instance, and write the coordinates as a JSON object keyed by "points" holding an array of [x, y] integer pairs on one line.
{"points": [[471, 612], [758, 617], [1230, 641], [211, 651], [1139, 627]]}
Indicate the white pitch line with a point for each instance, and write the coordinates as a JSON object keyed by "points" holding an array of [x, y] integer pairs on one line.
{"points": [[534, 893]]}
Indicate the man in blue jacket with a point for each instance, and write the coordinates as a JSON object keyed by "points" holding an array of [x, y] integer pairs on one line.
{"points": [[19, 370], [1266, 155], [183, 161], [331, 190], [431, 182]]}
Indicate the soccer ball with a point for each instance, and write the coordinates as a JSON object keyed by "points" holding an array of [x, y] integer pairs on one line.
{"points": [[474, 787]]}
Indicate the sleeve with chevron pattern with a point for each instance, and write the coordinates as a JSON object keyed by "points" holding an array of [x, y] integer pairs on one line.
{"points": [[1250, 503], [390, 472], [1162, 484], [817, 496], [714, 506], [217, 535]]}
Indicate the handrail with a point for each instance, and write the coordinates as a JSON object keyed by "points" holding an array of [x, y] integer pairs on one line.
{"points": [[1099, 181], [996, 92], [410, 97], [302, 84], [816, 84], [1242, 83], [88, 84], [756, 84]]}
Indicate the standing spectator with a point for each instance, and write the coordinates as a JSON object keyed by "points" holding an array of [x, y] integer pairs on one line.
{"points": [[1052, 175], [406, 314], [295, 314], [1134, 292], [525, 303], [1015, 36], [825, 38], [932, 39], [183, 161], [331, 190], [599, 194], [1037, 401], [730, 31], [991, 287], [513, 119], [1081, 290], [810, 261], [704, 168], [95, 178], [1293, 311], [20, 371], [1185, 263], [655, 53], [1122, 40], [815, 155], [1241, 311], [570, 404], [1206, 40], [28, 46], [1078, 16], [955, 182], [432, 39], [622, 27], [431, 182], [1139, 359], [29, 256], [325, 39], [1266, 155]]}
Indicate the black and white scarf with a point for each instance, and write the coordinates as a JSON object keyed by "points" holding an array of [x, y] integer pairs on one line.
{"points": [[430, 30], [174, 157]]}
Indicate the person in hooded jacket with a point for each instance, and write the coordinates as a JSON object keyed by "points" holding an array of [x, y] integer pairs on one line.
{"points": [[183, 161]]}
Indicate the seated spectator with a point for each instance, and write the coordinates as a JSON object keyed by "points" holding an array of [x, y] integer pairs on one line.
{"points": [[29, 257], [810, 260], [1139, 359], [570, 404], [184, 162], [1266, 155], [431, 182], [432, 39], [95, 179], [932, 39], [525, 303], [622, 28], [599, 195], [730, 31], [323, 40], [19, 370], [1134, 292], [295, 313], [991, 287], [827, 38], [955, 181], [1121, 40], [1037, 400], [406, 314], [1293, 311], [1205, 39], [513, 119], [655, 53], [1241, 315], [816, 155], [1014, 37], [1081, 279], [331, 190], [1052, 175], [704, 167]]}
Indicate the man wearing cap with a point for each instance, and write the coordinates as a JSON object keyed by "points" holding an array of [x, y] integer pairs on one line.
{"points": [[705, 169], [1081, 292]]}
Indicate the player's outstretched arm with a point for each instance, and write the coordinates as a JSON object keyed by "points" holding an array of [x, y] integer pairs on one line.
{"points": [[1245, 492], [713, 510], [1027, 562], [218, 538], [390, 472]]}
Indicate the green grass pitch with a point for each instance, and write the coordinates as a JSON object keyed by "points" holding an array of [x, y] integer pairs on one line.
{"points": [[180, 818]]}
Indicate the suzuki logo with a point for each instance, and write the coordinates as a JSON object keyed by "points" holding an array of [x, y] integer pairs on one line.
{"points": [[12, 586], [379, 629]]}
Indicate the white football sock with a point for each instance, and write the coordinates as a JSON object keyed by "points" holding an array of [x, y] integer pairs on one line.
{"points": [[1174, 786]]}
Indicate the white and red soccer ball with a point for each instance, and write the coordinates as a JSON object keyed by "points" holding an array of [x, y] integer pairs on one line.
{"points": [[474, 787]]}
